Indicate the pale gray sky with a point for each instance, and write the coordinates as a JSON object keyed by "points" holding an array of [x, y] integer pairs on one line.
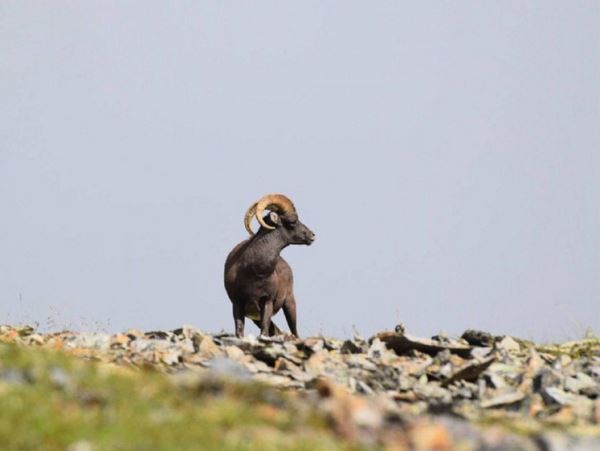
{"points": [[446, 154]]}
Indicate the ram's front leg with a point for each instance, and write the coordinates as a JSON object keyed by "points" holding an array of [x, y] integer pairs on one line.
{"points": [[289, 309], [266, 312]]}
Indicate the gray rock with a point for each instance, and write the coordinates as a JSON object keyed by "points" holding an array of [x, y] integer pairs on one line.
{"points": [[545, 378], [480, 352], [503, 399], [401, 344], [406, 383], [508, 343], [580, 382], [224, 367], [478, 338], [558, 396], [363, 388], [441, 337], [470, 372], [496, 381], [394, 378], [245, 344], [60, 378], [377, 349], [353, 347], [554, 441], [14, 376], [432, 391]]}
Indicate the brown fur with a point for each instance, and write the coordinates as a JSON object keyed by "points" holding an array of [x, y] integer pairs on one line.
{"points": [[258, 281]]}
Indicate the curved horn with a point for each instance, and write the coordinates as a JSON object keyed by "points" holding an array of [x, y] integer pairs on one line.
{"points": [[248, 218], [275, 202]]}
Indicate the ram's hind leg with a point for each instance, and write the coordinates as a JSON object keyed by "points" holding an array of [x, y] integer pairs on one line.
{"points": [[289, 309], [238, 318]]}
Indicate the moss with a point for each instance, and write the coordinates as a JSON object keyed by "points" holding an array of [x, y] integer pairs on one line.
{"points": [[585, 348]]}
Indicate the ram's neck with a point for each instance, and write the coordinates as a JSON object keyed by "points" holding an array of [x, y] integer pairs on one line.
{"points": [[264, 252]]}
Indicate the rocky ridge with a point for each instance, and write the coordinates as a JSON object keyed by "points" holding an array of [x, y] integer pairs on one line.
{"points": [[393, 389]]}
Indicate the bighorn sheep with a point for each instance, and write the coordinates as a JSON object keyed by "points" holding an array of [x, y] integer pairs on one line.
{"points": [[257, 280]]}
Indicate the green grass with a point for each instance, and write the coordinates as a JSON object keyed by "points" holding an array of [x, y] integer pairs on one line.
{"points": [[49, 401]]}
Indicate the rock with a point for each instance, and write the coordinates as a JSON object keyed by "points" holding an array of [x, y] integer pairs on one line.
{"points": [[269, 354], [187, 332], [496, 381], [580, 382], [546, 377], [81, 445], [379, 352], [120, 341], [260, 366], [591, 392], [315, 365], [353, 347], [469, 372], [562, 361], [556, 395], [536, 405], [363, 388], [406, 383], [376, 392], [426, 435], [208, 349], [134, 333], [350, 415], [60, 378], [35, 339], [289, 369], [432, 391], [234, 353], [311, 345], [441, 337], [170, 357], [401, 344], [187, 346], [360, 362], [555, 441], [503, 399], [14, 376], [277, 380], [157, 335], [332, 344], [223, 367], [464, 390], [480, 352], [244, 344], [508, 343], [24, 331], [478, 338], [466, 436]]}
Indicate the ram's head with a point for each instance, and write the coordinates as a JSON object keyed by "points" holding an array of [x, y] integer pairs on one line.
{"points": [[282, 218]]}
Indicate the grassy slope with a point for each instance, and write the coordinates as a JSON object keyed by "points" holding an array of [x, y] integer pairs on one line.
{"points": [[49, 401]]}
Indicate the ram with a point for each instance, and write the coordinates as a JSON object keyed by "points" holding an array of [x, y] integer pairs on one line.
{"points": [[258, 281]]}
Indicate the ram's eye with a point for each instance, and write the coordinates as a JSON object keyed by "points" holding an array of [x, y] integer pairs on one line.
{"points": [[289, 225]]}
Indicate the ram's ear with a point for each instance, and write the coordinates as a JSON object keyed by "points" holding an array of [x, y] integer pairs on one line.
{"points": [[274, 217]]}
